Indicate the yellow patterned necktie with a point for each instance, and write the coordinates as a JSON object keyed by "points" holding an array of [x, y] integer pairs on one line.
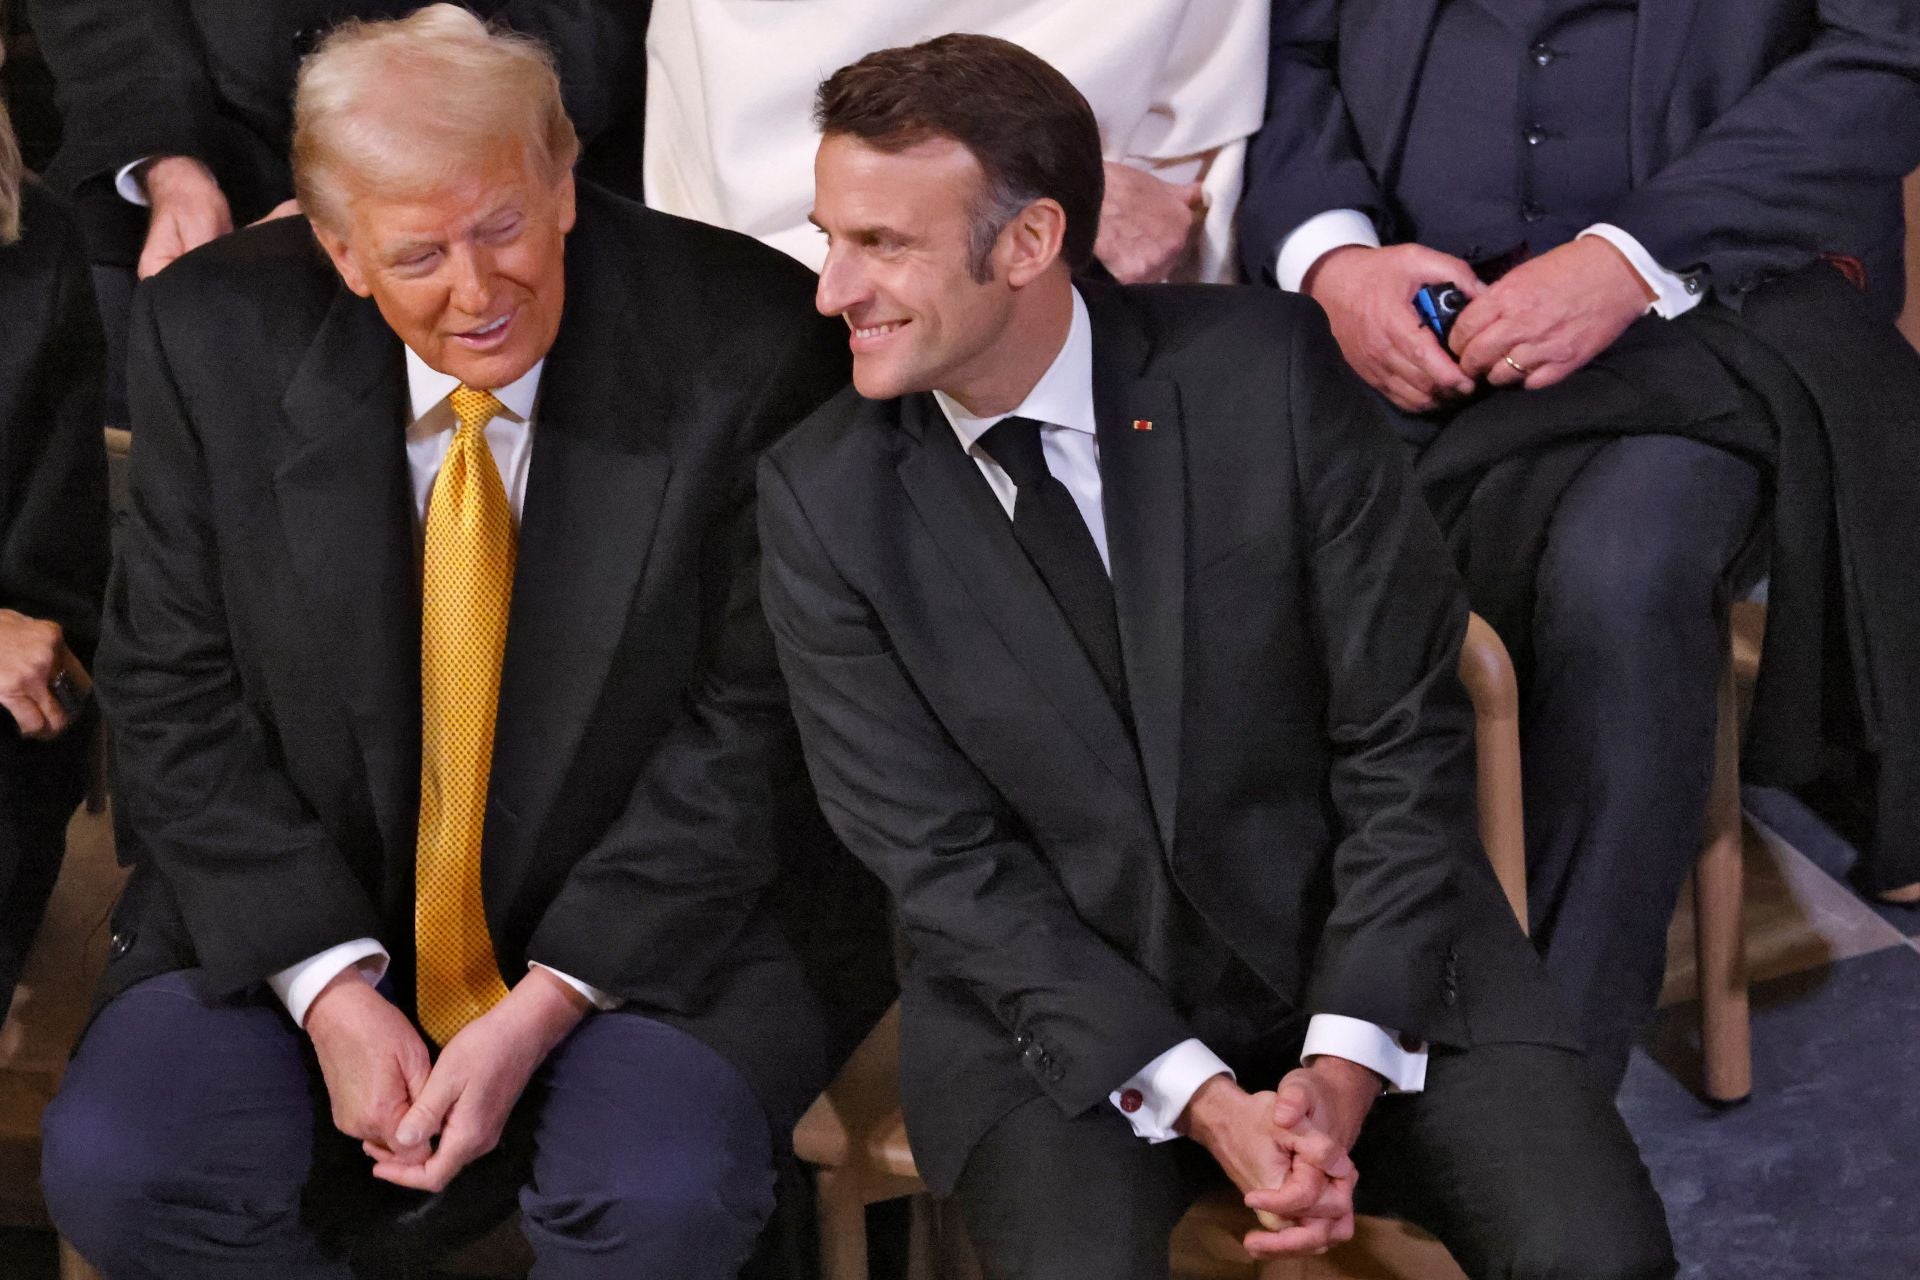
{"points": [[467, 584]]}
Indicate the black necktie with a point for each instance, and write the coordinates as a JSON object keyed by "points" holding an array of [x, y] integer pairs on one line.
{"points": [[1047, 523]]}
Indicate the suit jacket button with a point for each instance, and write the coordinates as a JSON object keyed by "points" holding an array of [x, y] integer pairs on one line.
{"points": [[1022, 1040], [120, 943], [1449, 995], [1130, 1100], [1054, 1072]]}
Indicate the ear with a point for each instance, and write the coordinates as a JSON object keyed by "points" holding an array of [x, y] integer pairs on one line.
{"points": [[1031, 243], [343, 261], [565, 195]]}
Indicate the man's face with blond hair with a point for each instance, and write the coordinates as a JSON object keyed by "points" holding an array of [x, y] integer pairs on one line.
{"points": [[468, 271]]}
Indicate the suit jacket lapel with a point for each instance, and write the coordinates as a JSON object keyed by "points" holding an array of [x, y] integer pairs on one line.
{"points": [[962, 515], [1143, 487], [1662, 35], [347, 506], [594, 491], [1394, 35]]}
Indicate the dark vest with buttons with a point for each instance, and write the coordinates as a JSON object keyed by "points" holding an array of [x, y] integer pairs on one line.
{"points": [[1519, 125]]}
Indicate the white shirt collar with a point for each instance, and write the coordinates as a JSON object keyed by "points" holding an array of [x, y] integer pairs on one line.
{"points": [[428, 388], [1062, 398]]}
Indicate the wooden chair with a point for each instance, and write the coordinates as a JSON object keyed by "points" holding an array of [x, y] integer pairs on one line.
{"points": [[856, 1139], [1719, 880]]}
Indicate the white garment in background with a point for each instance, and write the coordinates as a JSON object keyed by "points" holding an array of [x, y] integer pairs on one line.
{"points": [[1175, 84]]}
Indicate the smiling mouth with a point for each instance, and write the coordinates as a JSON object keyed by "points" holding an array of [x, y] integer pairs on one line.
{"points": [[487, 334], [868, 333]]}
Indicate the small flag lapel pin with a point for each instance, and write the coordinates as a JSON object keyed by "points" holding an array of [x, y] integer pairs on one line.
{"points": [[1143, 424]]}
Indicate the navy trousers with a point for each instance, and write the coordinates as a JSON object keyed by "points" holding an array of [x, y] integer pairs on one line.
{"points": [[1617, 722], [1629, 632], [192, 1141]]}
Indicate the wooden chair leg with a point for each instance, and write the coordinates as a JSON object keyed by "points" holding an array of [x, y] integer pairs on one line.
{"points": [[1725, 1035], [842, 1213], [73, 1266], [1487, 672]]}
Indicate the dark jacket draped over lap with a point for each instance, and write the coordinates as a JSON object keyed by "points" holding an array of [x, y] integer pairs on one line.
{"points": [[1810, 384]]}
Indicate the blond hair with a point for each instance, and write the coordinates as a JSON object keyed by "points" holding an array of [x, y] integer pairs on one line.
{"points": [[11, 170], [399, 105]]}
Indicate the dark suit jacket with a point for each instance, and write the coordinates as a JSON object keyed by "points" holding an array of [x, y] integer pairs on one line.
{"points": [[53, 535], [262, 654], [213, 79], [1304, 775], [1764, 132]]}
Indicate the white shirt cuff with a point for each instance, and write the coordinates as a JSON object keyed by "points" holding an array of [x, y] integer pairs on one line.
{"points": [[1374, 1047], [1162, 1089], [298, 984], [129, 186], [1318, 236], [595, 996], [1674, 294]]}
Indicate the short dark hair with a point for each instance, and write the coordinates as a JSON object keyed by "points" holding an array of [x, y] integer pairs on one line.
{"points": [[1033, 134]]}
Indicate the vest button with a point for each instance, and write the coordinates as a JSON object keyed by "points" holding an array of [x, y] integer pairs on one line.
{"points": [[1535, 135], [1541, 54], [1532, 212]]}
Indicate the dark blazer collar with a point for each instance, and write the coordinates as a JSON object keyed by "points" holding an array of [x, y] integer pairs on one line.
{"points": [[594, 490], [345, 502], [1143, 483]]}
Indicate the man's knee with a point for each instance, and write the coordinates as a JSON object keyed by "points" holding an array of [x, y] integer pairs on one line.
{"points": [[1599, 1253], [1639, 548], [1611, 596], [96, 1188], [701, 1208], [118, 1191]]}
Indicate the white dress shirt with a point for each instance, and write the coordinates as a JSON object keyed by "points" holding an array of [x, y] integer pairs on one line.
{"points": [[510, 440], [1314, 239], [1176, 86], [1062, 403]]}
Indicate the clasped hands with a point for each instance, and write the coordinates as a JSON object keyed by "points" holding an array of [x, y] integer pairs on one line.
{"points": [[1538, 323], [421, 1121], [1286, 1149]]}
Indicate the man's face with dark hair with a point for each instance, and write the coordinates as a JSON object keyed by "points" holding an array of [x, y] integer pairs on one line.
{"points": [[899, 266]]}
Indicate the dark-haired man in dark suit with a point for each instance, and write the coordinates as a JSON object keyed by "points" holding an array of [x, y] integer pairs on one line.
{"points": [[1636, 196], [1126, 657]]}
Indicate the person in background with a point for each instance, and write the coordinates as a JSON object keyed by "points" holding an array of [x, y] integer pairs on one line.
{"points": [[178, 115], [1175, 86], [53, 542], [450, 743], [1677, 229], [1128, 660]]}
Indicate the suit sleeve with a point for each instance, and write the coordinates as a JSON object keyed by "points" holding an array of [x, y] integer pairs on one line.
{"points": [[53, 545], [1306, 158], [131, 81], [1390, 616], [1777, 179], [976, 901], [53, 530], [260, 883], [653, 911]]}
